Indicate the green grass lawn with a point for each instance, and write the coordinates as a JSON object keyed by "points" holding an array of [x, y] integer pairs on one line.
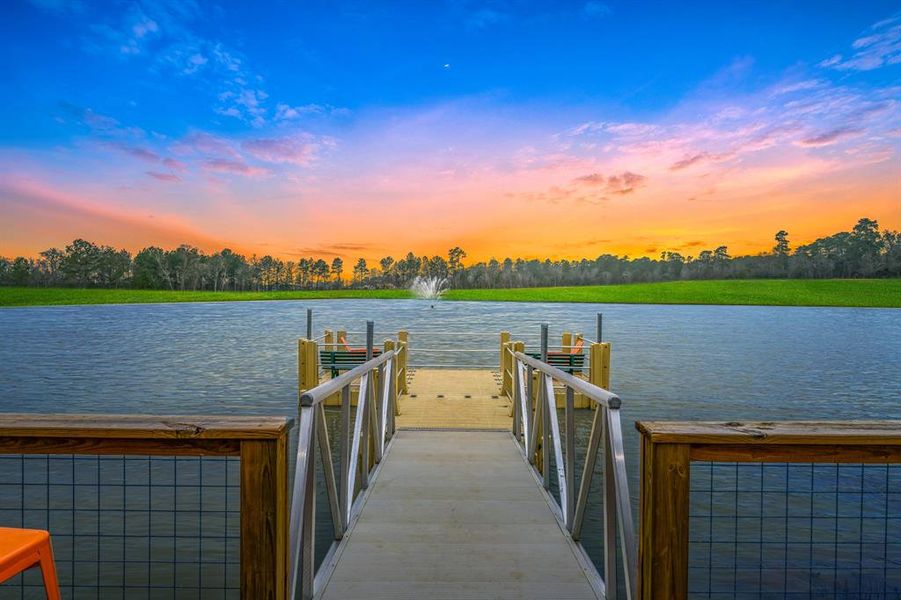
{"points": [[51, 296], [829, 292], [770, 292]]}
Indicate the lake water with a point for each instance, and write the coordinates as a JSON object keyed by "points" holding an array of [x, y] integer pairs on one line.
{"points": [[668, 362]]}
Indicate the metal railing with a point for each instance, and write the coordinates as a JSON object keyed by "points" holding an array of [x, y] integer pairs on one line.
{"points": [[363, 444], [536, 429]]}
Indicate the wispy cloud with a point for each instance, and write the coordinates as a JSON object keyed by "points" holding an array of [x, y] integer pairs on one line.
{"points": [[286, 112], [829, 137], [100, 125], [701, 158], [879, 47], [170, 177], [202, 143], [297, 150], [139, 152], [623, 183], [233, 167]]}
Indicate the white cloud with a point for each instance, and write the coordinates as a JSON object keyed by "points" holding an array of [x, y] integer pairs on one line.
{"points": [[879, 48]]}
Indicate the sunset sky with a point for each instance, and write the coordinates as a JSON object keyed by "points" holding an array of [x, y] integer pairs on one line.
{"points": [[508, 128]]}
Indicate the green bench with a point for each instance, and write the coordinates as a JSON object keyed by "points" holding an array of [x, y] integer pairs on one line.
{"points": [[563, 360], [343, 360]]}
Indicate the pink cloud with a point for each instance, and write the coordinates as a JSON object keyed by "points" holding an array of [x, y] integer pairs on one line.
{"points": [[199, 142], [175, 165], [238, 167], [139, 152], [624, 183], [830, 137], [700, 158], [298, 150], [164, 176], [48, 216], [882, 47]]}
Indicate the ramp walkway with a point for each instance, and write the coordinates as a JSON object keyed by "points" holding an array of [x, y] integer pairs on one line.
{"points": [[458, 482], [456, 514]]}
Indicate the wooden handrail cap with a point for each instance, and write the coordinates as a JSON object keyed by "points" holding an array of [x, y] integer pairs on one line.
{"points": [[772, 432], [143, 426]]}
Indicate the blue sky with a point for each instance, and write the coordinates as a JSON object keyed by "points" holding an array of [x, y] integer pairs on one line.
{"points": [[122, 96]]}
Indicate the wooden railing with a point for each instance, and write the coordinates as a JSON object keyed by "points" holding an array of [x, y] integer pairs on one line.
{"points": [[260, 442], [669, 448]]}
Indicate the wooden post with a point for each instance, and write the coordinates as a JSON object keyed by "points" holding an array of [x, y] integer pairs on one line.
{"points": [[506, 380], [392, 401], [515, 347], [307, 365], [340, 335], [663, 542], [566, 340], [264, 518], [599, 365], [403, 337]]}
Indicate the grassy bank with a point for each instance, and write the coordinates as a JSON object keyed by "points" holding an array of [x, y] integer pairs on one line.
{"points": [[768, 292], [829, 292], [56, 296]]}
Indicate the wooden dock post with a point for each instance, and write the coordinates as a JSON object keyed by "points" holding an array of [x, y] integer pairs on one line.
{"points": [[599, 365], [506, 366], [393, 388], [403, 337], [328, 340], [663, 554], [307, 365], [264, 518], [566, 340]]}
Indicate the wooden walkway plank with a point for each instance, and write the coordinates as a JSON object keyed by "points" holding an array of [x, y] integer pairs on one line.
{"points": [[456, 515]]}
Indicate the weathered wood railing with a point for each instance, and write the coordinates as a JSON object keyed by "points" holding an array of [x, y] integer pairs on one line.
{"points": [[362, 447], [536, 428], [260, 442], [669, 448]]}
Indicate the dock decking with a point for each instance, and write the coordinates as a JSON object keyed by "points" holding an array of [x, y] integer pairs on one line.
{"points": [[454, 399], [456, 515]]}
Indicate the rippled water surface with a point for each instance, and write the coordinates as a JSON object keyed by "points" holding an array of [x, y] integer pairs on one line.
{"points": [[669, 362]]}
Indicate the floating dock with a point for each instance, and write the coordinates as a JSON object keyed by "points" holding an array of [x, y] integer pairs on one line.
{"points": [[454, 399]]}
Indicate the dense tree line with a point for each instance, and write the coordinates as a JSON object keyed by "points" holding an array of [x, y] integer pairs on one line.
{"points": [[865, 251]]}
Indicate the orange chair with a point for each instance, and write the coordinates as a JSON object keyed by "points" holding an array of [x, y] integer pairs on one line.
{"points": [[21, 549], [343, 341]]}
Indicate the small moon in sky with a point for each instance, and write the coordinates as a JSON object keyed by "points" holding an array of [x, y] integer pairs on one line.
{"points": [[447, 65]]}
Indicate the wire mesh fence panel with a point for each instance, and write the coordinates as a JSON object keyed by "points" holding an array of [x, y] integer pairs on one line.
{"points": [[128, 526], [792, 531]]}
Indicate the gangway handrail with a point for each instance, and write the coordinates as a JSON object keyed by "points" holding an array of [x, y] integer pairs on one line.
{"points": [[374, 420], [537, 416]]}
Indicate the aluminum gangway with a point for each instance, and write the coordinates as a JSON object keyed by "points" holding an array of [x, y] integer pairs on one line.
{"points": [[459, 512]]}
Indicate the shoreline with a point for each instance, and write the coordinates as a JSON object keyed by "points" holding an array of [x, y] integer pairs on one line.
{"points": [[823, 293]]}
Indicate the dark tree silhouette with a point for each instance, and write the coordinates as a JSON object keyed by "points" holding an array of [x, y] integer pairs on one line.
{"points": [[865, 251]]}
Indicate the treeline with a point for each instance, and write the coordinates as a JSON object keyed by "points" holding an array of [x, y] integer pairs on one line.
{"points": [[865, 251]]}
